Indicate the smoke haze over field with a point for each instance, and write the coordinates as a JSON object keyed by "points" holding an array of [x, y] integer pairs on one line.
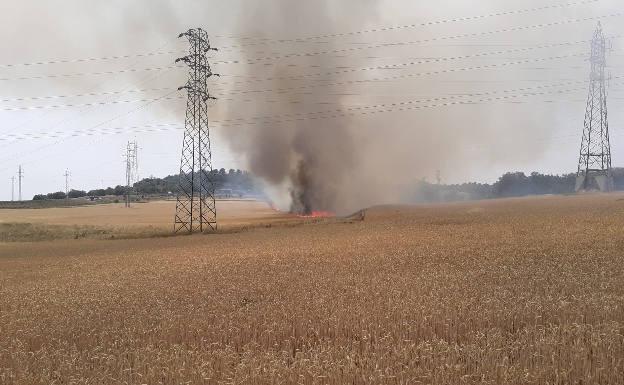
{"points": [[300, 120]]}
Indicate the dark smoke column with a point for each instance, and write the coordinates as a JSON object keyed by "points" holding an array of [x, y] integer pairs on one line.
{"points": [[311, 161]]}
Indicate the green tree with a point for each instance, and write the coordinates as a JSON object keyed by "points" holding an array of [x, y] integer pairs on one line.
{"points": [[77, 194], [57, 195]]}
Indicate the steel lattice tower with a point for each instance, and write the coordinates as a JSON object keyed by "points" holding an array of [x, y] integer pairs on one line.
{"points": [[67, 175], [20, 176], [132, 150], [594, 170], [196, 209]]}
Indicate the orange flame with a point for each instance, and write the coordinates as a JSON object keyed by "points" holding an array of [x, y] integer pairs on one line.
{"points": [[318, 214]]}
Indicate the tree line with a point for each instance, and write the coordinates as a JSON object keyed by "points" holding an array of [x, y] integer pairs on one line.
{"points": [[236, 180], [511, 184]]}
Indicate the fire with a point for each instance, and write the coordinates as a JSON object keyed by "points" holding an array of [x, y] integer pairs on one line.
{"points": [[312, 214], [318, 214]]}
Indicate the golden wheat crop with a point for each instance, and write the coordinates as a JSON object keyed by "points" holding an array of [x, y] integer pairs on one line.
{"points": [[526, 291], [114, 221]]}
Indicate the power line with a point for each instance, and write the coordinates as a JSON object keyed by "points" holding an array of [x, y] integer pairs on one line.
{"points": [[45, 107], [415, 25], [48, 97], [161, 127], [344, 70], [387, 108], [176, 126], [456, 69], [119, 116], [235, 92], [402, 106], [443, 38], [130, 70], [152, 77], [411, 75], [66, 119], [305, 38], [90, 59], [91, 132], [17, 156], [133, 70], [359, 48]]}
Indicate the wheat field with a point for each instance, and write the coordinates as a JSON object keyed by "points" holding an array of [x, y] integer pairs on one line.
{"points": [[141, 220], [520, 291]]}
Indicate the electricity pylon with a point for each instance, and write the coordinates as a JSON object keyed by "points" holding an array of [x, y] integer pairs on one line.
{"points": [[131, 168], [135, 172], [196, 209], [594, 169], [66, 175], [20, 176]]}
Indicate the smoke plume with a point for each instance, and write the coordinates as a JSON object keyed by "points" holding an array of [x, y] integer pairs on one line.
{"points": [[311, 158], [313, 163]]}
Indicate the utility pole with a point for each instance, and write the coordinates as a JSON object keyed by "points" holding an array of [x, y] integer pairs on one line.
{"points": [[66, 175], [13, 188], [20, 176], [131, 168], [196, 209], [594, 167]]}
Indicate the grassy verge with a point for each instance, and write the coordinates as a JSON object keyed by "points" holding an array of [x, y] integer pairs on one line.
{"points": [[29, 232], [37, 232], [47, 204]]}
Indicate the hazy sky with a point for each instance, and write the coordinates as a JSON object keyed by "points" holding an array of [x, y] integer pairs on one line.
{"points": [[78, 80]]}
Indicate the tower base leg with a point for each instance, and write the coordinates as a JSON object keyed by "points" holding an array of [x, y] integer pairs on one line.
{"points": [[594, 182]]}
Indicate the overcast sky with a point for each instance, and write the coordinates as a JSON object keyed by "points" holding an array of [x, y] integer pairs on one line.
{"points": [[79, 79]]}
